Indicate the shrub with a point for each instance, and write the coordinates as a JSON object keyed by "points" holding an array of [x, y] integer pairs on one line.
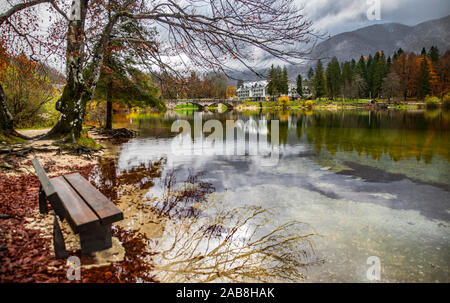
{"points": [[27, 90], [283, 101], [431, 101], [309, 104], [86, 141]]}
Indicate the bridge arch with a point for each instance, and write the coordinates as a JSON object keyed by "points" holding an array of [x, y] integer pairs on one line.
{"points": [[228, 105], [200, 103], [200, 107]]}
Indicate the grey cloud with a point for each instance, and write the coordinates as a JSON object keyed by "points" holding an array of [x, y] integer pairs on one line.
{"points": [[335, 16]]}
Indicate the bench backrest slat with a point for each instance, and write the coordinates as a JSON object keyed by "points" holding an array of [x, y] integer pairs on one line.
{"points": [[43, 178], [81, 216], [101, 205]]}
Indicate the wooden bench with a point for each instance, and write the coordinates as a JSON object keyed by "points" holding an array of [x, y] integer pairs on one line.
{"points": [[88, 212]]}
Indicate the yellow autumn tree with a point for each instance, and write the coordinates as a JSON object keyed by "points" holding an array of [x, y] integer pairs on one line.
{"points": [[231, 91], [283, 101]]}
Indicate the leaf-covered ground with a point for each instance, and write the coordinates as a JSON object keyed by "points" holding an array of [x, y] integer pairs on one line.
{"points": [[27, 254]]}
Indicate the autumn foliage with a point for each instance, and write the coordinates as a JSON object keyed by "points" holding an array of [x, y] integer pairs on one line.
{"points": [[408, 67], [28, 256]]}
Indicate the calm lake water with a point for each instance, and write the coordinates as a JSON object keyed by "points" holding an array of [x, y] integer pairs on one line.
{"points": [[362, 183]]}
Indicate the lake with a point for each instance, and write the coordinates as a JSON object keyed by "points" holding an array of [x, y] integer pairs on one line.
{"points": [[346, 186]]}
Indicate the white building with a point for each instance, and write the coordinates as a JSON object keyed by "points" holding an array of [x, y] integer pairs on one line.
{"points": [[258, 90], [252, 90], [293, 90]]}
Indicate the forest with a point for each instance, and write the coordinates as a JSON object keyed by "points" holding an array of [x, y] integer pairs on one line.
{"points": [[404, 76]]}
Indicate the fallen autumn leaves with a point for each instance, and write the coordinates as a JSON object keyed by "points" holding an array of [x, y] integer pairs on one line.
{"points": [[29, 257]]}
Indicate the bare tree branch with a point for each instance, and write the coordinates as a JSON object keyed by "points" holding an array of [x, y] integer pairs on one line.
{"points": [[19, 7]]}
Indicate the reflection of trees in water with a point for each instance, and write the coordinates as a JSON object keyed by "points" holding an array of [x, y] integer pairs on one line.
{"points": [[238, 250], [109, 179], [401, 135], [179, 202], [206, 241]]}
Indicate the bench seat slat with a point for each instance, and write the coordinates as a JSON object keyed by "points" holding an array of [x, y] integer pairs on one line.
{"points": [[81, 216], [102, 206]]}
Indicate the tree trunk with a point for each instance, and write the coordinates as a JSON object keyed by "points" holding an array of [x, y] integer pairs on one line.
{"points": [[6, 120], [72, 106], [109, 106], [72, 103], [77, 92]]}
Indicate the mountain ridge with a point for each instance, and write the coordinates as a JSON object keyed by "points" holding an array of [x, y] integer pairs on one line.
{"points": [[386, 37]]}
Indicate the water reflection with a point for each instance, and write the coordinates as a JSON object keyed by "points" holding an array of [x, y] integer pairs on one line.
{"points": [[194, 239], [399, 134], [370, 183]]}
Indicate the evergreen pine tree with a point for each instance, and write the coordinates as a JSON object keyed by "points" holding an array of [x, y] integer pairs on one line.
{"points": [[300, 86], [434, 54], [424, 79], [272, 85], [319, 81], [348, 70], [278, 80], [370, 74], [380, 71], [284, 85], [388, 64], [333, 78], [424, 52]]}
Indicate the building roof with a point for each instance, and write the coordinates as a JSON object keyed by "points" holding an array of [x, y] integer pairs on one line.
{"points": [[247, 85]]}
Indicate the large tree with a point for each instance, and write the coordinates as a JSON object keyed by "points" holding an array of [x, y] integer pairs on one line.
{"points": [[284, 81], [391, 87], [319, 82], [272, 82], [300, 85], [334, 80], [210, 34], [424, 86], [121, 83]]}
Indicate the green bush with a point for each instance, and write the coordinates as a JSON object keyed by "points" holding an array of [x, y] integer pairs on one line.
{"points": [[431, 101], [309, 104]]}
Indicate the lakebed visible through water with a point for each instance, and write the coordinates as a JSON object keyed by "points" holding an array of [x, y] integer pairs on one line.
{"points": [[348, 185]]}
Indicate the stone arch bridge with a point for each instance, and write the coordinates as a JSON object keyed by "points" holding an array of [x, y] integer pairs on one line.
{"points": [[202, 103]]}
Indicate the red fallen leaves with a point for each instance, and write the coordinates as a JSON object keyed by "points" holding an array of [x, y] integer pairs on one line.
{"points": [[134, 267], [28, 256]]}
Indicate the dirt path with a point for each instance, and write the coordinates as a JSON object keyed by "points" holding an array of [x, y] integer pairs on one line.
{"points": [[48, 154], [33, 132]]}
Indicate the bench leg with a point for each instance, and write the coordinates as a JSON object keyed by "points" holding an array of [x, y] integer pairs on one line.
{"points": [[43, 209], [96, 239], [58, 241]]}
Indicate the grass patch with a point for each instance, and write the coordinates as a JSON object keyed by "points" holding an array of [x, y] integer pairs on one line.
{"points": [[10, 139], [87, 141], [84, 142]]}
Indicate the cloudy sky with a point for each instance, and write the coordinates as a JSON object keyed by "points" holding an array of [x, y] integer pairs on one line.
{"points": [[336, 16]]}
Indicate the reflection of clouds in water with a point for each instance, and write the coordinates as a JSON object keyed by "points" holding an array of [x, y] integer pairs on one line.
{"points": [[141, 151], [353, 230], [401, 221]]}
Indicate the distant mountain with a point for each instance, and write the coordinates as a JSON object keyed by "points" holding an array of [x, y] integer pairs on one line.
{"points": [[386, 37]]}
